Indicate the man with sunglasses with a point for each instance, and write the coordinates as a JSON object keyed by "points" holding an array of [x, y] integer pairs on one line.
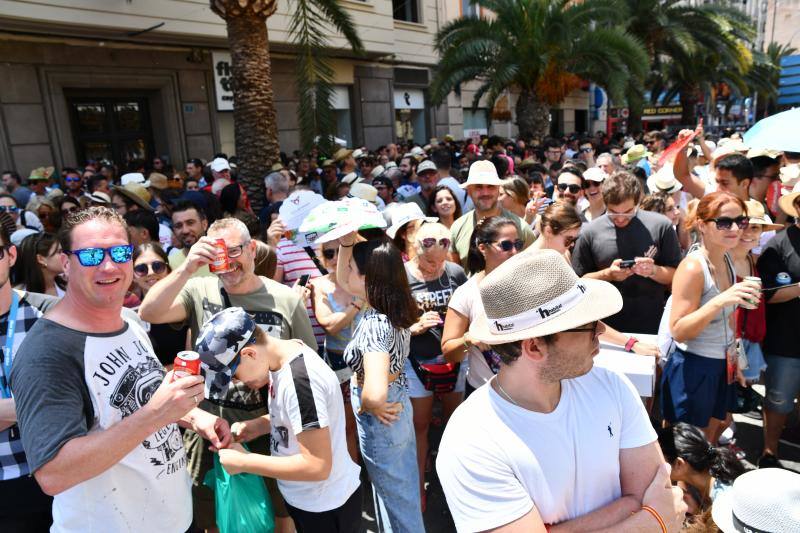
{"points": [[97, 415], [552, 439], [27, 222], [607, 245], [185, 299], [73, 183], [570, 186]]}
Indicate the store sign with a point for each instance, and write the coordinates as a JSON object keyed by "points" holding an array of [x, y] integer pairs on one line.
{"points": [[409, 99], [223, 80], [662, 110], [475, 134]]}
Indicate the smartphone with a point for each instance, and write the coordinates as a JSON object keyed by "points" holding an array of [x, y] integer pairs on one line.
{"points": [[627, 263], [304, 280]]}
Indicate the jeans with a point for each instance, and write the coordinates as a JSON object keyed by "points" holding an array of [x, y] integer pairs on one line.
{"points": [[390, 455]]}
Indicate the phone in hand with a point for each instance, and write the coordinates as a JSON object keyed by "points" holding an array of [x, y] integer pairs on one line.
{"points": [[627, 263], [303, 280]]}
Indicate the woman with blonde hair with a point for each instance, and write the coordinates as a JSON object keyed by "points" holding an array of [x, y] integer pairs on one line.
{"points": [[514, 196]]}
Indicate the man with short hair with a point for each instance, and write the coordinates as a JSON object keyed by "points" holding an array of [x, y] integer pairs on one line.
{"points": [[98, 183], [408, 166], [552, 152], [194, 170], [183, 298], [570, 186], [143, 227], [483, 187], [221, 171], [427, 177], [73, 182], [605, 161], [636, 250], [586, 152], [385, 188], [189, 224], [12, 181], [561, 441], [97, 415]]}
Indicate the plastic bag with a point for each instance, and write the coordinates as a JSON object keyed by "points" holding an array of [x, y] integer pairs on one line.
{"points": [[242, 501]]}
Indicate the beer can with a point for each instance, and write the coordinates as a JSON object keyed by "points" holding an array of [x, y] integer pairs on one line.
{"points": [[187, 363], [753, 280], [783, 279], [221, 263]]}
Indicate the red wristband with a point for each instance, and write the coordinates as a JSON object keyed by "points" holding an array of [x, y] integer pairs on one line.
{"points": [[630, 343]]}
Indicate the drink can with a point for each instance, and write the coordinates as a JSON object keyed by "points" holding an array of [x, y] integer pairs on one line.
{"points": [[753, 280], [187, 363], [783, 278], [221, 263]]}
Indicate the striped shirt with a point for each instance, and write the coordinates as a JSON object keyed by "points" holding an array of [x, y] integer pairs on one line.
{"points": [[295, 262]]}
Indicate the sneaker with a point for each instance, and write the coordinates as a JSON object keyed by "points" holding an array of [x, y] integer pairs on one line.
{"points": [[769, 461]]}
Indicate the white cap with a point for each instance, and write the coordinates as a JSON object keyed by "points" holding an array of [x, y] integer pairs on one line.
{"points": [[377, 171], [391, 164], [133, 177], [595, 174], [220, 164], [425, 166], [417, 151]]}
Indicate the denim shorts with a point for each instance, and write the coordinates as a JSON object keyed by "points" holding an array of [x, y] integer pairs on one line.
{"points": [[417, 390], [695, 388], [782, 383]]}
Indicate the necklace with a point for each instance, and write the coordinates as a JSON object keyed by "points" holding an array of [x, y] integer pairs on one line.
{"points": [[502, 390]]}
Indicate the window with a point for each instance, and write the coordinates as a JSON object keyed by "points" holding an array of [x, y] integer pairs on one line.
{"points": [[470, 9], [406, 10], [476, 120]]}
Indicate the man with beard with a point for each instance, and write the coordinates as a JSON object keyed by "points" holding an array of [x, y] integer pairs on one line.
{"points": [[428, 178], [277, 309], [559, 442], [189, 223], [483, 187], [570, 186]]}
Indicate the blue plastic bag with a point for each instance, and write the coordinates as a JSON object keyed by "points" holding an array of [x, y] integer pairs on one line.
{"points": [[242, 501]]}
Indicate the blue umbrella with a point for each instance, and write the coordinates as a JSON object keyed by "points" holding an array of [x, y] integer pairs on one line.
{"points": [[778, 132]]}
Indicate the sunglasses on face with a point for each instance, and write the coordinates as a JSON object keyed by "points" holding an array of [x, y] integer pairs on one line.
{"points": [[91, 257], [508, 245], [8, 209], [592, 329], [430, 242], [142, 269], [70, 210], [586, 150], [330, 253], [726, 223], [71, 178], [574, 189]]}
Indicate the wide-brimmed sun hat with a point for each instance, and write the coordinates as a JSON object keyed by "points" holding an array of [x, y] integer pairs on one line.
{"points": [[403, 214], [634, 154], [341, 154], [41, 174], [482, 173], [757, 214], [786, 202], [135, 192], [767, 499], [664, 181], [536, 293]]}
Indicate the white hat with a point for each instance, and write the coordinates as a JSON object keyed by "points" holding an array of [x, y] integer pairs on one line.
{"points": [[391, 164], [219, 164], [358, 153], [728, 147], [351, 178], [767, 499], [133, 177], [417, 151], [99, 197], [426, 166], [377, 171], [536, 293], [400, 216], [364, 191], [790, 174], [595, 174], [664, 181], [482, 173]]}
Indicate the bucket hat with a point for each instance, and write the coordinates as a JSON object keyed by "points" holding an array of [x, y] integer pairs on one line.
{"points": [[135, 192], [536, 293], [403, 214], [482, 173]]}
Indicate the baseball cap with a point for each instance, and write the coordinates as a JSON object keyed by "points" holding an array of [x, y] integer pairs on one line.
{"points": [[219, 342], [220, 164], [426, 166]]}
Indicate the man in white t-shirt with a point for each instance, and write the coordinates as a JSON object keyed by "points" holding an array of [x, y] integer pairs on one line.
{"points": [[315, 473], [552, 442]]}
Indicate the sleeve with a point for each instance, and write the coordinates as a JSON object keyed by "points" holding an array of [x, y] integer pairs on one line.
{"points": [[305, 401], [669, 253], [186, 298], [51, 397], [770, 264], [582, 258], [461, 302], [636, 427], [456, 273], [482, 491], [380, 335], [300, 325]]}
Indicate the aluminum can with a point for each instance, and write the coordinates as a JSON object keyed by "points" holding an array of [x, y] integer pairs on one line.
{"points": [[783, 279], [753, 280], [221, 263], [187, 363]]}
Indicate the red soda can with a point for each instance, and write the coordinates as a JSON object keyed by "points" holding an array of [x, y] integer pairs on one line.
{"points": [[187, 363], [221, 263]]}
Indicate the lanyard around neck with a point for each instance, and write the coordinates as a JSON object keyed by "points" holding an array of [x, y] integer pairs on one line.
{"points": [[9, 346]]}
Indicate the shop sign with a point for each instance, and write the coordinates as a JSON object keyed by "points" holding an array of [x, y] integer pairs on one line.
{"points": [[662, 110], [223, 80], [409, 99]]}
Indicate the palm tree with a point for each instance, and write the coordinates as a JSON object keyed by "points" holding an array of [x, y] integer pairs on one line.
{"points": [[254, 117], [541, 48], [677, 33]]}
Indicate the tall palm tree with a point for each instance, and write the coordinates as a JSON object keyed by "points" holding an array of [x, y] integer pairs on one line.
{"points": [[676, 32], [254, 118], [541, 48]]}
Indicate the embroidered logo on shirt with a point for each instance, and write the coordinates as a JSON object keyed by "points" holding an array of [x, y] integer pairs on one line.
{"points": [[610, 433]]}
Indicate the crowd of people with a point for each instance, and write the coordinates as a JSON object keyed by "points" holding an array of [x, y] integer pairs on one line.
{"points": [[477, 309]]}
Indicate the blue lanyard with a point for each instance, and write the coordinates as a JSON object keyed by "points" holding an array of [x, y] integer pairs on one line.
{"points": [[8, 348]]}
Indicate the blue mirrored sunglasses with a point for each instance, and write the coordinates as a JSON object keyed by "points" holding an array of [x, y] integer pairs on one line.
{"points": [[91, 257]]}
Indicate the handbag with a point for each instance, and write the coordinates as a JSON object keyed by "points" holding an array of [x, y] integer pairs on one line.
{"points": [[436, 377]]}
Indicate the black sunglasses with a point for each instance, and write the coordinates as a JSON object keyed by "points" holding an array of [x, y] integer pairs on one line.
{"points": [[507, 245], [329, 253], [574, 189], [142, 269], [726, 223], [592, 329]]}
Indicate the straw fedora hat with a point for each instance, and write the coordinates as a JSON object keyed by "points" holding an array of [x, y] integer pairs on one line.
{"points": [[786, 202], [760, 500], [136, 193], [634, 154], [536, 293], [664, 181], [755, 210], [482, 173]]}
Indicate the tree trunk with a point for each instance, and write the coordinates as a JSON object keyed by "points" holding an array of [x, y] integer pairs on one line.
{"points": [[635, 111], [254, 118], [689, 99], [533, 116]]}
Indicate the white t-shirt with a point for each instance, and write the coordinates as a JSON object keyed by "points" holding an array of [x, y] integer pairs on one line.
{"points": [[467, 301], [496, 460], [305, 394]]}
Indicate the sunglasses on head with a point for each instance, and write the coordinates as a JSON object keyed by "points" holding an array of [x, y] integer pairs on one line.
{"points": [[142, 269], [726, 223], [91, 257], [8, 209], [330, 253], [430, 242], [508, 245], [574, 189]]}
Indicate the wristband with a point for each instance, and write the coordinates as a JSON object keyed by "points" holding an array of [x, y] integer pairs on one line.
{"points": [[347, 245], [629, 345], [656, 516]]}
